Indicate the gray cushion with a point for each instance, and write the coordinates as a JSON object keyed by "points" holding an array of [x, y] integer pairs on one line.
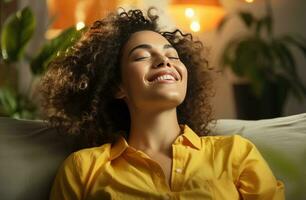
{"points": [[284, 134], [30, 154], [282, 142]]}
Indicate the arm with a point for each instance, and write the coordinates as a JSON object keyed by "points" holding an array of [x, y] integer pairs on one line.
{"points": [[68, 183], [255, 178]]}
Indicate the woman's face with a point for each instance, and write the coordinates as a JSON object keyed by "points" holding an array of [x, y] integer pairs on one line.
{"points": [[152, 74]]}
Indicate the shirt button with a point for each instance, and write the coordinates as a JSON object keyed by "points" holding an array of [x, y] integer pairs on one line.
{"points": [[178, 170]]}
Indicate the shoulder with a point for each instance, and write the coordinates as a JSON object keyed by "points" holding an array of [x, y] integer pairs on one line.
{"points": [[235, 146], [85, 157], [226, 141], [94, 151]]}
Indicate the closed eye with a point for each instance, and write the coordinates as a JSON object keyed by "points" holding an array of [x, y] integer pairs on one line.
{"points": [[141, 58], [173, 57]]}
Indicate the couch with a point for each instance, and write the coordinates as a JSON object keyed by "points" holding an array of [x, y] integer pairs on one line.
{"points": [[31, 152]]}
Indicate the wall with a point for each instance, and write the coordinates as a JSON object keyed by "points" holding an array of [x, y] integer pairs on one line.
{"points": [[290, 16]]}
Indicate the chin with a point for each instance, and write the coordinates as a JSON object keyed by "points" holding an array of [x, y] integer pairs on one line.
{"points": [[167, 100]]}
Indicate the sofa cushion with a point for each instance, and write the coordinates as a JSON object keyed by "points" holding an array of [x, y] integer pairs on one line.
{"points": [[282, 142], [30, 153]]}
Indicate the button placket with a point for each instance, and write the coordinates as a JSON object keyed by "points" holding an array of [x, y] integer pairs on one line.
{"points": [[178, 167], [178, 170], [158, 176]]}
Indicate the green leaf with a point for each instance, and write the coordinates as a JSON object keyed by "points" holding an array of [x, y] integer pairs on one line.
{"points": [[286, 56], [8, 100], [250, 57], [247, 18], [16, 33], [287, 68], [59, 44], [16, 105], [26, 109], [297, 41]]}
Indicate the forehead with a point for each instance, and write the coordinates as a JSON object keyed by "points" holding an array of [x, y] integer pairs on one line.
{"points": [[145, 37]]}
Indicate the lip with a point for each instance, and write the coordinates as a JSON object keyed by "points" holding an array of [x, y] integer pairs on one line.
{"points": [[161, 73]]}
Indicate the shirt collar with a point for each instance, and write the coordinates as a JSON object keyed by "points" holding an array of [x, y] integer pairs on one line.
{"points": [[118, 148], [187, 138], [190, 138]]}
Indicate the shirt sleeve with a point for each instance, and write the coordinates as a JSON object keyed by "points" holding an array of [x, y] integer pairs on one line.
{"points": [[67, 184], [256, 180]]}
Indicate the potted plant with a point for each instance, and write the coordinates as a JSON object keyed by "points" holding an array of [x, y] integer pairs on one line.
{"points": [[16, 33], [268, 64]]}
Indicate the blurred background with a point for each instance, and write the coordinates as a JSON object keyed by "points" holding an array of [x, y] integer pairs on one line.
{"points": [[256, 48]]}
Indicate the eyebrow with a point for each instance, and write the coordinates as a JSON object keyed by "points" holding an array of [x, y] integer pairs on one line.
{"points": [[147, 46]]}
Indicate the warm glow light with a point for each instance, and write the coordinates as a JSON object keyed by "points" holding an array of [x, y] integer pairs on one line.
{"points": [[249, 1], [205, 17], [196, 15], [67, 13], [195, 26], [80, 25], [189, 12]]}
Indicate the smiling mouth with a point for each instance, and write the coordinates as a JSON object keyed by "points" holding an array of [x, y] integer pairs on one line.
{"points": [[164, 78], [167, 78]]}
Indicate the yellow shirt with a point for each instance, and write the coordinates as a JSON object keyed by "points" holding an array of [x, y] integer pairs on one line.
{"points": [[208, 168]]}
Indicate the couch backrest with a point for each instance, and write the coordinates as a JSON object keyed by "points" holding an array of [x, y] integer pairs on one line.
{"points": [[284, 134], [31, 152]]}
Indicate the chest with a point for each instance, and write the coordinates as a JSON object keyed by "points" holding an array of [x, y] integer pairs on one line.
{"points": [[138, 177], [165, 162]]}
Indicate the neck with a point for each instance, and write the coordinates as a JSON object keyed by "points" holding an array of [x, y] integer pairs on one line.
{"points": [[154, 131]]}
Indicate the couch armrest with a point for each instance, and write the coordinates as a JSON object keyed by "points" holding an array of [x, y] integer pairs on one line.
{"points": [[282, 142]]}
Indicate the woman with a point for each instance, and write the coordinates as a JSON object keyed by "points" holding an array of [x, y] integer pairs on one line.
{"points": [[137, 95]]}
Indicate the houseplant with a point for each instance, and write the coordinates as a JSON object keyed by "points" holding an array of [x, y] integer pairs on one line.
{"points": [[268, 64], [17, 31]]}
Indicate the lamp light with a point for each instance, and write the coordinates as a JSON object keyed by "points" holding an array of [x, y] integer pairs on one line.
{"points": [[196, 15], [67, 13]]}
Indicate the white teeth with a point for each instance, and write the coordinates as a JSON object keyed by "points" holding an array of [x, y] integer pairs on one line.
{"points": [[164, 77]]}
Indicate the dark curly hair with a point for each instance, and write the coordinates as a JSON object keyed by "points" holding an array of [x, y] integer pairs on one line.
{"points": [[78, 88]]}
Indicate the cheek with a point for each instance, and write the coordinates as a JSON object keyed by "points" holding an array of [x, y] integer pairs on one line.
{"points": [[132, 75], [184, 72], [185, 79]]}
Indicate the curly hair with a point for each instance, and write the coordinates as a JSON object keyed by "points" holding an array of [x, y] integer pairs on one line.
{"points": [[78, 89]]}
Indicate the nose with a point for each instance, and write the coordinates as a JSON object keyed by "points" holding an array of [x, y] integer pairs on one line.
{"points": [[162, 61]]}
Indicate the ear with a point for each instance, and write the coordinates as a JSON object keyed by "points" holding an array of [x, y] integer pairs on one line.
{"points": [[120, 94]]}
